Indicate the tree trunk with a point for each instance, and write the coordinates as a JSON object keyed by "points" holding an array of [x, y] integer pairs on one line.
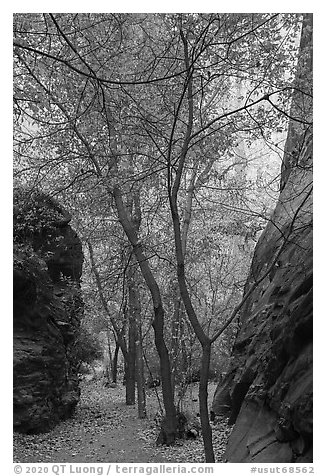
{"points": [[203, 404], [131, 360], [169, 435], [135, 322], [168, 430], [119, 333], [114, 368], [175, 337], [130, 381], [141, 394], [108, 361]]}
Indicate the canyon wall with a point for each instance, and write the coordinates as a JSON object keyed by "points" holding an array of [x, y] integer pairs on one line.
{"points": [[47, 312]]}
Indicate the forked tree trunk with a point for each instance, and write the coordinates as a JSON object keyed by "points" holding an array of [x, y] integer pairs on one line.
{"points": [[205, 360], [169, 433]]}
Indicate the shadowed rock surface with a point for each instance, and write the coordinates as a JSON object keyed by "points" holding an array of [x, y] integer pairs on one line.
{"points": [[267, 391], [47, 311]]}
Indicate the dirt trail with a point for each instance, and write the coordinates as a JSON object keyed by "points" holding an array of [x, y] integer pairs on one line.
{"points": [[104, 429]]}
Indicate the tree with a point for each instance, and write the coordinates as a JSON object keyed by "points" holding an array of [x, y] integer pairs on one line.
{"points": [[128, 98]]}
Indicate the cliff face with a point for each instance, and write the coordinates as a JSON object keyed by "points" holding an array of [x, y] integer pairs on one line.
{"points": [[267, 391], [47, 311]]}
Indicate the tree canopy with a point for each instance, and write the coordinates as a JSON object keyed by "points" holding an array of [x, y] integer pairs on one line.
{"points": [[163, 135]]}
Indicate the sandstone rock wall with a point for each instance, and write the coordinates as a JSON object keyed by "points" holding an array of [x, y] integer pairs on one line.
{"points": [[47, 311], [267, 391]]}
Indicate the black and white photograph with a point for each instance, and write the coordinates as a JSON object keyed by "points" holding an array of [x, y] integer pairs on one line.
{"points": [[162, 241]]}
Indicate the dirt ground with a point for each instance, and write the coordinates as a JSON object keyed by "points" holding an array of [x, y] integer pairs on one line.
{"points": [[104, 429]]}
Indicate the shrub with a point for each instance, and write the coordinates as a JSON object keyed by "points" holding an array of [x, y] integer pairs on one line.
{"points": [[87, 347]]}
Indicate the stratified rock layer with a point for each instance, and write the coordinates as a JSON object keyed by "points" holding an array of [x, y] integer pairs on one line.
{"points": [[267, 391], [47, 312]]}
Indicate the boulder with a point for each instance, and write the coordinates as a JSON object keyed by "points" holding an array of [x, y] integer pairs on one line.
{"points": [[47, 312]]}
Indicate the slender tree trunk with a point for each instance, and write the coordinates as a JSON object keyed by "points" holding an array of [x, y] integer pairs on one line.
{"points": [[206, 354], [168, 430], [175, 337], [141, 394], [120, 334], [108, 364], [203, 403], [114, 368], [130, 375], [131, 360], [130, 380], [185, 352], [158, 321], [135, 322], [180, 240]]}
